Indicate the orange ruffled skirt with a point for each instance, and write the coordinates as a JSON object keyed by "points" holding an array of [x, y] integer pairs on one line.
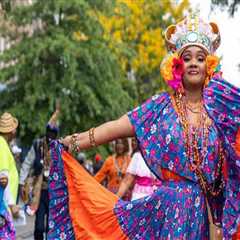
{"points": [[88, 218]]}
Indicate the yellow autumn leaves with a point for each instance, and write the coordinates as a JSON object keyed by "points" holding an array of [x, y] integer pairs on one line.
{"points": [[134, 31], [140, 24]]}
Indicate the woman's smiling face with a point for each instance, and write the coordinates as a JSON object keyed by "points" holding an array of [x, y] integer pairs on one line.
{"points": [[194, 59]]}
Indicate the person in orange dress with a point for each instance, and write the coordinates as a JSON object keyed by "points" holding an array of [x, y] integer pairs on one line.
{"points": [[115, 166]]}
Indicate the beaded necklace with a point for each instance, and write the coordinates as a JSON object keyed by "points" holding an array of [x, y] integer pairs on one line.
{"points": [[120, 170], [195, 153]]}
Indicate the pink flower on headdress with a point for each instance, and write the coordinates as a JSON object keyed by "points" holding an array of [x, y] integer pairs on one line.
{"points": [[177, 71], [177, 67], [172, 71]]}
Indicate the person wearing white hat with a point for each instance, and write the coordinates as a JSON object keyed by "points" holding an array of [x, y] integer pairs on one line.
{"points": [[8, 176]]}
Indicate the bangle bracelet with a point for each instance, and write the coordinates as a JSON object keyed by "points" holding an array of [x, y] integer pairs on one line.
{"points": [[75, 143], [92, 138]]}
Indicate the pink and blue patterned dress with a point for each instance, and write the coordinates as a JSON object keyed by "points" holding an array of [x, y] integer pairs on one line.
{"points": [[177, 210], [7, 231]]}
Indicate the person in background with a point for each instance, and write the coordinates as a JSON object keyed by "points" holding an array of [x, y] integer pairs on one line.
{"points": [[16, 151], [87, 164], [115, 166], [134, 146], [7, 230], [81, 157], [38, 158], [138, 176], [98, 162], [8, 128]]}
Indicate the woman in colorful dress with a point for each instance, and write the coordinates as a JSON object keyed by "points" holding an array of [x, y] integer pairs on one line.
{"points": [[115, 166], [189, 133]]}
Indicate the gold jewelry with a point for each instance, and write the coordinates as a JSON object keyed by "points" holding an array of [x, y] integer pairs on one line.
{"points": [[120, 170], [195, 155], [194, 110], [91, 137], [75, 143]]}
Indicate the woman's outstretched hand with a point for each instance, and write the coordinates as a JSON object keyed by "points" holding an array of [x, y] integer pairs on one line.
{"points": [[66, 141], [71, 143]]}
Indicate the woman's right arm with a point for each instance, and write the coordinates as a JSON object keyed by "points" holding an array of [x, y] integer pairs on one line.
{"points": [[104, 133]]}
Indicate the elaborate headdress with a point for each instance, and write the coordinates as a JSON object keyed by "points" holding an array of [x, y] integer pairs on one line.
{"points": [[191, 31]]}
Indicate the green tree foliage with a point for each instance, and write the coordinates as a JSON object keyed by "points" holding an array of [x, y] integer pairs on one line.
{"points": [[64, 58]]}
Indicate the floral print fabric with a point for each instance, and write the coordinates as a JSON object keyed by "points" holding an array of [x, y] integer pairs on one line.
{"points": [[177, 210], [161, 140], [7, 230], [222, 102], [60, 224]]}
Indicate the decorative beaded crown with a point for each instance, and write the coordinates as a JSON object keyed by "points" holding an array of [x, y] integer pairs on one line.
{"points": [[192, 30]]}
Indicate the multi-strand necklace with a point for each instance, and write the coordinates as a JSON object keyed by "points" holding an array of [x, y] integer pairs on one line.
{"points": [[196, 143]]}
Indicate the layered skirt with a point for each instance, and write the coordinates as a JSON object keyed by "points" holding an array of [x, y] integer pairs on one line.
{"points": [[80, 208]]}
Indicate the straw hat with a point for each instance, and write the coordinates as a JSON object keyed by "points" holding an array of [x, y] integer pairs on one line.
{"points": [[7, 123]]}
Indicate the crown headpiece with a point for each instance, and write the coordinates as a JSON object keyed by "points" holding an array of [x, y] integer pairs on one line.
{"points": [[192, 30]]}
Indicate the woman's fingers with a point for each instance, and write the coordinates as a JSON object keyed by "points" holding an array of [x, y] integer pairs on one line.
{"points": [[66, 141]]}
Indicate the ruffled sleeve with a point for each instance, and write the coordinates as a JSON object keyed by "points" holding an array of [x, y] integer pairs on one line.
{"points": [[145, 120], [138, 167], [222, 102]]}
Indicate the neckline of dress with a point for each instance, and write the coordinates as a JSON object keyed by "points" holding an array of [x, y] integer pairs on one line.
{"points": [[173, 103]]}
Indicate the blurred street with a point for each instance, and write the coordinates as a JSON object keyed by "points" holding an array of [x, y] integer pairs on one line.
{"points": [[26, 232]]}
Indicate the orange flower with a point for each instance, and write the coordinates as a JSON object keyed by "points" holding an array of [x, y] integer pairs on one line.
{"points": [[172, 70], [212, 62], [166, 67], [212, 65]]}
